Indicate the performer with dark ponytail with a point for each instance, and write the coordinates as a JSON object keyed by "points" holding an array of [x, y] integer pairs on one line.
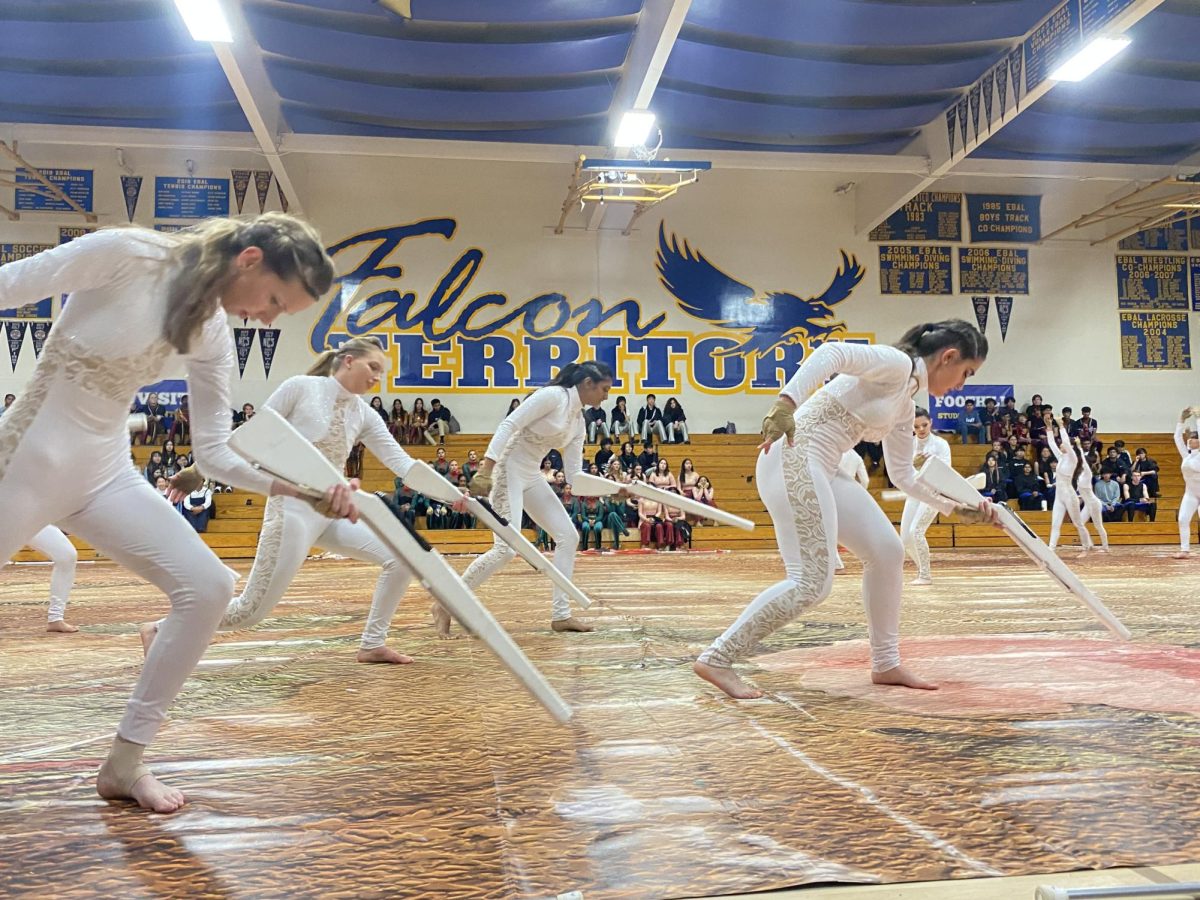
{"points": [[811, 509], [550, 418]]}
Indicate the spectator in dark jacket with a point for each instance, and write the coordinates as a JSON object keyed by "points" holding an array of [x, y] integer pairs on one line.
{"points": [[650, 418], [1148, 469], [675, 422], [439, 423]]}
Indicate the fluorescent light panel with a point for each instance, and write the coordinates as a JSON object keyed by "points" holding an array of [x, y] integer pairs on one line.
{"points": [[634, 128], [205, 20], [1090, 58]]}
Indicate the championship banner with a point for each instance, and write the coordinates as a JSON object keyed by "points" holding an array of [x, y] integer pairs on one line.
{"points": [[283, 203], [262, 185], [1155, 340], [39, 309], [1053, 42], [16, 337], [241, 184], [929, 216], [1171, 238], [993, 269], [131, 189], [1194, 272], [975, 96], [1004, 313], [38, 332], [907, 269], [982, 305], [170, 391], [243, 339], [944, 410], [190, 198], [988, 82], [68, 233], [951, 115], [268, 340], [1146, 281], [1004, 218], [74, 183]]}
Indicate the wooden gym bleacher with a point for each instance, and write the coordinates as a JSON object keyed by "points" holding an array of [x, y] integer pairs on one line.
{"points": [[728, 461]]}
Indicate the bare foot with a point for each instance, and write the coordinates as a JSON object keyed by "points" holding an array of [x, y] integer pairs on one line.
{"points": [[61, 627], [383, 655], [147, 633], [1182, 554], [571, 624], [441, 620], [920, 580], [147, 792], [727, 680], [901, 677]]}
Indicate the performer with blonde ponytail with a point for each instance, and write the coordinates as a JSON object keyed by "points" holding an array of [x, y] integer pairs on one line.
{"points": [[145, 304], [551, 418], [811, 508], [327, 407]]}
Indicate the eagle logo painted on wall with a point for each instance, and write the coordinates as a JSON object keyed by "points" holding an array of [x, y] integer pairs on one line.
{"points": [[765, 320]]}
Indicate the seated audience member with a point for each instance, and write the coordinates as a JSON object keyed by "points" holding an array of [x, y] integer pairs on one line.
{"points": [[1027, 488], [461, 520], [1016, 465], [660, 476], [628, 458], [1124, 454], [871, 452], [650, 418], [418, 421], [1041, 465], [994, 485], [441, 464], [1140, 497], [556, 459], [1087, 427], [405, 505], [1115, 464], [9, 400], [595, 421], [655, 527], [970, 422], [197, 507], [987, 416], [619, 420], [604, 454], [512, 406], [560, 483], [439, 422], [648, 458], [1010, 411], [1069, 423], [156, 418], [675, 422], [688, 478], [1110, 495], [181, 422], [471, 466], [247, 413], [1020, 432], [1034, 410], [377, 405], [548, 470], [354, 462], [680, 527], [154, 468], [1049, 481], [455, 472], [1148, 469], [704, 493], [400, 420], [589, 517]]}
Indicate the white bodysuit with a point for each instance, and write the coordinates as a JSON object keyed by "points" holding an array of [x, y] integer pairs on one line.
{"points": [[1092, 507], [333, 419], [853, 468], [812, 510], [1066, 501], [1190, 468], [64, 446], [918, 516], [552, 418]]}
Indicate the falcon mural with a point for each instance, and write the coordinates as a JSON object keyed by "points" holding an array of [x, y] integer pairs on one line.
{"points": [[765, 321]]}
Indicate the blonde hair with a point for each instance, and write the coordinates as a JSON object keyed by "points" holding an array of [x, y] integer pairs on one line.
{"points": [[327, 363], [291, 249]]}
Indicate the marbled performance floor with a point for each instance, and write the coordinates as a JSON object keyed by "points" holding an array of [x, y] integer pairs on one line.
{"points": [[1048, 748]]}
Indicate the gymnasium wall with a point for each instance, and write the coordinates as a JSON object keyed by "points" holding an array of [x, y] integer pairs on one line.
{"points": [[472, 243]]}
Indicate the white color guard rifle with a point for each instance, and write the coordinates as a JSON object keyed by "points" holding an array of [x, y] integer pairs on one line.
{"points": [[939, 477], [423, 479], [270, 443], [585, 485]]}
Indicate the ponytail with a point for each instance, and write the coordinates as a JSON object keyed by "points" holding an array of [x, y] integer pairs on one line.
{"points": [[573, 373], [329, 360], [932, 337]]}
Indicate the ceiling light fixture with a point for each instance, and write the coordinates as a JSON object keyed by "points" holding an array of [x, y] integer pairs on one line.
{"points": [[634, 128], [205, 20], [1095, 54]]}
